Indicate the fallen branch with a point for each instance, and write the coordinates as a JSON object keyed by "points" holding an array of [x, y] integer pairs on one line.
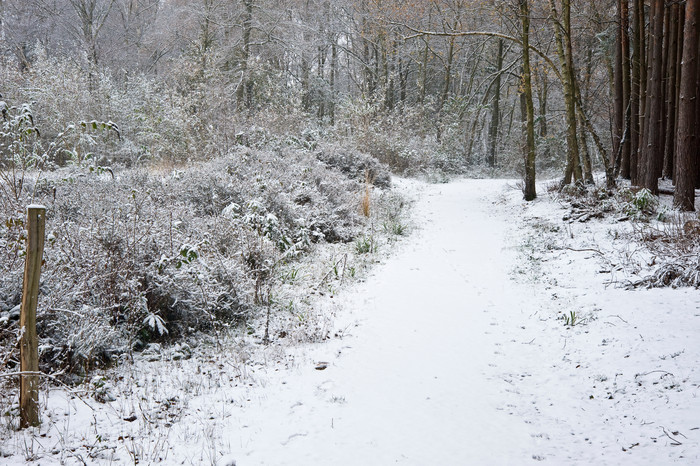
{"points": [[586, 250], [674, 441]]}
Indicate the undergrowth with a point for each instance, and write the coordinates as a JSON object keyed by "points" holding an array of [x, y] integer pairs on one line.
{"points": [[153, 255], [670, 238]]}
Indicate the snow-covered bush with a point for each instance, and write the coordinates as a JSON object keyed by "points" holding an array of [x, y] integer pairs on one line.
{"points": [[154, 122], [641, 204], [355, 165], [154, 254]]}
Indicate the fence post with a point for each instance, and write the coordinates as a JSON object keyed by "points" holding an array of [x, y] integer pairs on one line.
{"points": [[29, 353]]}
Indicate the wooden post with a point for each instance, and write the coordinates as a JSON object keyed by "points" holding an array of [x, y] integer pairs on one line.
{"points": [[29, 353]]}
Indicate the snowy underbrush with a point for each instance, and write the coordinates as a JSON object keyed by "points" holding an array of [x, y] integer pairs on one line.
{"points": [[145, 256], [404, 139], [239, 259], [659, 246], [624, 348]]}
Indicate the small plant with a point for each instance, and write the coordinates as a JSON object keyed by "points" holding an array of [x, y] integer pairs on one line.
{"points": [[572, 319], [291, 275], [365, 245], [642, 204], [155, 323], [395, 228]]}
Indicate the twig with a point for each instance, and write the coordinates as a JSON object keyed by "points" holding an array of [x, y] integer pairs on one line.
{"points": [[48, 376], [652, 372], [334, 268], [674, 441], [14, 347], [585, 250]]}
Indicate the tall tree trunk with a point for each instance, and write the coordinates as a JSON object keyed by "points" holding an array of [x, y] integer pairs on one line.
{"points": [[542, 86], [334, 71], [664, 84], [368, 57], [671, 90], [618, 96], [626, 89], [635, 89], [403, 79], [448, 74], [495, 106], [423, 71], [244, 92], [563, 42], [697, 98], [652, 149], [585, 154], [530, 192], [687, 134], [643, 79]]}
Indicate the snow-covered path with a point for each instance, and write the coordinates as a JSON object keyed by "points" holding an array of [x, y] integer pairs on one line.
{"points": [[454, 351], [455, 362], [414, 387]]}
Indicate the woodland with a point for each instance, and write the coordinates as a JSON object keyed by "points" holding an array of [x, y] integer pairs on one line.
{"points": [[473, 83], [190, 151]]}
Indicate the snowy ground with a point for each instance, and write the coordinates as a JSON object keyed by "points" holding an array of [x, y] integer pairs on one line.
{"points": [[454, 351]]}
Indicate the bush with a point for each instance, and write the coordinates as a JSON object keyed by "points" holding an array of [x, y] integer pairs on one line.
{"points": [[155, 255]]}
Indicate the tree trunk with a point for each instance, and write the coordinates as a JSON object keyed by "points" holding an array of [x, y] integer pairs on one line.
{"points": [[542, 95], [687, 135], [635, 90], [334, 71], [585, 154], [495, 106], [652, 148], [671, 90], [626, 91], [448, 74], [530, 192], [618, 97], [245, 88], [643, 78], [609, 175], [564, 51], [423, 72]]}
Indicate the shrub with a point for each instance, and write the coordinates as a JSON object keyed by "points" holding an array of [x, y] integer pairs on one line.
{"points": [[153, 255]]}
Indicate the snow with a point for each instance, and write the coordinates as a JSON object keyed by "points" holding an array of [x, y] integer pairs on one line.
{"points": [[452, 351]]}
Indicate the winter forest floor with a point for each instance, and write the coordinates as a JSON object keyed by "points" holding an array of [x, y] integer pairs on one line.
{"points": [[496, 333]]}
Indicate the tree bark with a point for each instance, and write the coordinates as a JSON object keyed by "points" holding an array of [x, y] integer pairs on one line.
{"points": [[585, 154], [564, 51], [626, 89], [334, 71], [530, 192], [635, 89], [640, 21], [671, 90], [618, 100], [542, 99], [687, 135], [245, 88], [495, 106], [652, 148]]}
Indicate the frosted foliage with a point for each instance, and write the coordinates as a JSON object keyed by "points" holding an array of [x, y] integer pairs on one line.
{"points": [[155, 123], [153, 254]]}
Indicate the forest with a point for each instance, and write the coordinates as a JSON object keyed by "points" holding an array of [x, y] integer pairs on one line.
{"points": [[195, 156], [564, 85]]}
